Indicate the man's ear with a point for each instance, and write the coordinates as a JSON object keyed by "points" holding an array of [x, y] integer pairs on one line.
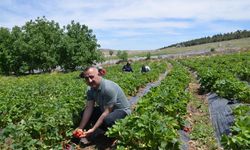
{"points": [[101, 72]]}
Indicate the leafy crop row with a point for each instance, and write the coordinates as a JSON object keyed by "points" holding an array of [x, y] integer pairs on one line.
{"points": [[240, 135], [225, 75], [40, 111], [228, 76], [157, 116]]}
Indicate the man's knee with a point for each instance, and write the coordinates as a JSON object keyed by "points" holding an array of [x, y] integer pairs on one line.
{"points": [[116, 115], [109, 121]]}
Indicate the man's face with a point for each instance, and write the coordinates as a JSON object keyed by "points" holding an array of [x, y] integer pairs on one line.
{"points": [[92, 78]]}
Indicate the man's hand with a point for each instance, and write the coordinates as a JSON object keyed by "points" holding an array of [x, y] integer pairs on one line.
{"points": [[79, 133], [89, 132]]}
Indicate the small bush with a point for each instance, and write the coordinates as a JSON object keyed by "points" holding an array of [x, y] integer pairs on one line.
{"points": [[212, 49]]}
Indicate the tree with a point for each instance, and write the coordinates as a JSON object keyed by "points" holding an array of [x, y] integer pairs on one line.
{"points": [[78, 47], [42, 38], [118, 54], [111, 52], [19, 66], [42, 45], [5, 53], [148, 56], [123, 55]]}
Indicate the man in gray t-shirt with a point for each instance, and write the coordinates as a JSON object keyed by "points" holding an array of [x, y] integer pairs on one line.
{"points": [[106, 102]]}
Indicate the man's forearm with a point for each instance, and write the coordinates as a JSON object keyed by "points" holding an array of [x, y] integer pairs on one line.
{"points": [[100, 120], [86, 116]]}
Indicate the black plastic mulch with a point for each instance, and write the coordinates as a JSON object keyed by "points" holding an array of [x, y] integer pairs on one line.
{"points": [[221, 114], [134, 99]]}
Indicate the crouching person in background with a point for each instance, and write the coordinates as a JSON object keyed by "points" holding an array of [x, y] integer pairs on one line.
{"points": [[145, 68], [127, 67]]}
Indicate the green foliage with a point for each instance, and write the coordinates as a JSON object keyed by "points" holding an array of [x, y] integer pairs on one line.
{"points": [[111, 52], [148, 56], [149, 130], [232, 89], [244, 74], [240, 131], [42, 45], [78, 47], [212, 49], [42, 38], [41, 111], [157, 116], [215, 38], [218, 74], [5, 56], [226, 75], [131, 82], [123, 55]]}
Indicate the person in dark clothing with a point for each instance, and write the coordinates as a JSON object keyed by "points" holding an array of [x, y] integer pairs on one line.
{"points": [[127, 67]]}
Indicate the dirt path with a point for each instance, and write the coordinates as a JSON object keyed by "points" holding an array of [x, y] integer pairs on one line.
{"points": [[202, 136]]}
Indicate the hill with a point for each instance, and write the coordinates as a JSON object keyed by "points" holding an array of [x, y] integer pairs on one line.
{"points": [[237, 44]]}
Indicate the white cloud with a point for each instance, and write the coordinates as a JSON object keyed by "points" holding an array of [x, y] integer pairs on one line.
{"points": [[98, 12], [132, 18], [213, 9]]}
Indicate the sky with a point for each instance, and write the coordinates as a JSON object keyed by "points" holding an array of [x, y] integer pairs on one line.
{"points": [[135, 24]]}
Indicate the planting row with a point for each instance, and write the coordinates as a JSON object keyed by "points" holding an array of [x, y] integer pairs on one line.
{"points": [[157, 116], [40, 111], [228, 76]]}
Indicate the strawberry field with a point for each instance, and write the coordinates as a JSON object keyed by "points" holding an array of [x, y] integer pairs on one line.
{"points": [[41, 111]]}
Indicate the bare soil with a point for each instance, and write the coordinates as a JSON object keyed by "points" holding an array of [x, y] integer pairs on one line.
{"points": [[194, 111], [198, 115]]}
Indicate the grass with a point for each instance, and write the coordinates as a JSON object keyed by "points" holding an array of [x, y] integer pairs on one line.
{"points": [[202, 131], [240, 44], [202, 134], [224, 45]]}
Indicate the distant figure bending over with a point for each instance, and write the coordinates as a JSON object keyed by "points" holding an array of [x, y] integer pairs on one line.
{"points": [[127, 67], [145, 68]]}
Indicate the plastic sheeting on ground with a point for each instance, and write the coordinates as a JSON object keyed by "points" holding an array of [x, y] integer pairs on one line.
{"points": [[133, 100], [221, 114]]}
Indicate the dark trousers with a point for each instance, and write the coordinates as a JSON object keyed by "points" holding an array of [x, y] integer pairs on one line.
{"points": [[108, 121]]}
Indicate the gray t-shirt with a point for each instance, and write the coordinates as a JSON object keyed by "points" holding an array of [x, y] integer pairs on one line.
{"points": [[109, 94]]}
